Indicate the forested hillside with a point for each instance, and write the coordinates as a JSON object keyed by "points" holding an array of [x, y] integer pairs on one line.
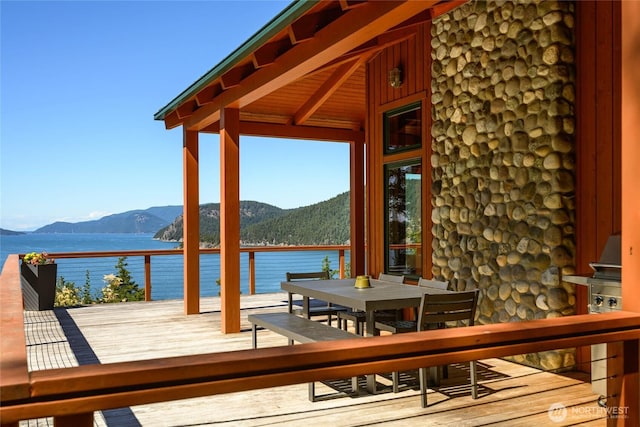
{"points": [[323, 223], [250, 213], [262, 224]]}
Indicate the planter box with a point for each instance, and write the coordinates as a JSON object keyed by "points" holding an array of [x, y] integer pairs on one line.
{"points": [[38, 286]]}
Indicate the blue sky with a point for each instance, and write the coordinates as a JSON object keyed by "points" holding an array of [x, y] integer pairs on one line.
{"points": [[80, 83]]}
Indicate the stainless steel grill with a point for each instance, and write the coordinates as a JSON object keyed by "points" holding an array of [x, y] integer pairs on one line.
{"points": [[605, 286], [605, 294]]}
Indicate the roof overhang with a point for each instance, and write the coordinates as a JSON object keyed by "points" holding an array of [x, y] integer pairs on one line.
{"points": [[303, 74]]}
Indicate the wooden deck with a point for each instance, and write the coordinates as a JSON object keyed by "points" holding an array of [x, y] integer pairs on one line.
{"points": [[510, 394]]}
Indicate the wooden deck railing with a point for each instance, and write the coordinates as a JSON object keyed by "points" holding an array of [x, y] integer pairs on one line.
{"points": [[251, 251], [71, 395]]}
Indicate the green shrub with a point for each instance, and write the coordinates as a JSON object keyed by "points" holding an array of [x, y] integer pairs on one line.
{"points": [[70, 295], [120, 286]]}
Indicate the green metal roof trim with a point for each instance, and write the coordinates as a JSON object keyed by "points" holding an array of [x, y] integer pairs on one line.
{"points": [[288, 15]]}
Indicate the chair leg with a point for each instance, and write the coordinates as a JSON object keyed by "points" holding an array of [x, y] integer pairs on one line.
{"points": [[422, 374], [355, 387], [395, 378], [474, 379], [312, 392]]}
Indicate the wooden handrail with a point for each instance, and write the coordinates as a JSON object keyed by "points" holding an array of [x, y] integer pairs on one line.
{"points": [[14, 375], [146, 254], [63, 392], [74, 393]]}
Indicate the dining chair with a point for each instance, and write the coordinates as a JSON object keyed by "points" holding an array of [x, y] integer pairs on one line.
{"points": [[436, 310], [359, 318], [430, 283], [316, 307]]}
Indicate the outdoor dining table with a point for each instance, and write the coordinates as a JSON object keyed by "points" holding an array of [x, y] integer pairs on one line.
{"points": [[380, 295]]}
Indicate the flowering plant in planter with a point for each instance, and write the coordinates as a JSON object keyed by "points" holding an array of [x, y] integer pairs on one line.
{"points": [[36, 258]]}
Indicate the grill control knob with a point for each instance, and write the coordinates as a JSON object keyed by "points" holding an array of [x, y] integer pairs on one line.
{"points": [[599, 300], [613, 302]]}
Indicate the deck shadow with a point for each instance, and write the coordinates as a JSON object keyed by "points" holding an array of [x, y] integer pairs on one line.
{"points": [[457, 384], [84, 354]]}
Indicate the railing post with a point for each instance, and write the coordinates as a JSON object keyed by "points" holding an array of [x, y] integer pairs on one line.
{"points": [[623, 383], [147, 277], [341, 262], [252, 272], [75, 420]]}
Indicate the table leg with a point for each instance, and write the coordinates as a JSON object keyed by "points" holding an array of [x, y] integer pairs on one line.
{"points": [[305, 307], [371, 331]]}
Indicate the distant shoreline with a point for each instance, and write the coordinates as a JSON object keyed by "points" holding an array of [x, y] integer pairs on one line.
{"points": [[4, 232]]}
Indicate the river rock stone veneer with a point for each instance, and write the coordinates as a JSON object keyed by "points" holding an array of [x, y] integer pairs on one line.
{"points": [[503, 90]]}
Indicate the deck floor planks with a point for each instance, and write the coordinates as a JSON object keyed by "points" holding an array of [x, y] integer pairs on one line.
{"points": [[510, 394]]}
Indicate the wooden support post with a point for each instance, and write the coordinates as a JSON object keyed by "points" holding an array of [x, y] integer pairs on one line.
{"points": [[341, 262], [252, 273], [191, 224], [230, 220], [630, 154], [357, 207], [147, 277]]}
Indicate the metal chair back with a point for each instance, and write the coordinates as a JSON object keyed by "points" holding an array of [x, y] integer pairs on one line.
{"points": [[391, 278], [430, 283], [438, 309]]}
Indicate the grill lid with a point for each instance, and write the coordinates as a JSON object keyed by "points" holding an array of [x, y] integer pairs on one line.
{"points": [[609, 266]]}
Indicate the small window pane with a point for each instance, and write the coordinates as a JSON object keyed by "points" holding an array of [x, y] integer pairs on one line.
{"points": [[404, 219], [403, 129]]}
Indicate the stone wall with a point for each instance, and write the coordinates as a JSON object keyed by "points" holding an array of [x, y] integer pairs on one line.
{"points": [[503, 90]]}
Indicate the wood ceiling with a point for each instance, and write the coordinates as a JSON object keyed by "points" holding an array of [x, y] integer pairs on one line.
{"points": [[307, 79]]}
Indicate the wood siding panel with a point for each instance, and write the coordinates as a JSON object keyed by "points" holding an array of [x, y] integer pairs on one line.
{"points": [[412, 57], [604, 136], [598, 161]]}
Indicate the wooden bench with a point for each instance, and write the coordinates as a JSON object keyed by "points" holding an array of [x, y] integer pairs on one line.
{"points": [[302, 330]]}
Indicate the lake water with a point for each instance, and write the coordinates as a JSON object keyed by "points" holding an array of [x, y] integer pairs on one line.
{"points": [[166, 271]]}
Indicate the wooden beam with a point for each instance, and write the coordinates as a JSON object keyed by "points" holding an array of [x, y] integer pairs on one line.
{"points": [[306, 26], [234, 76], [350, 4], [186, 109], [339, 37], [172, 120], [267, 54], [326, 90], [230, 220], [191, 222], [371, 47], [206, 95], [294, 132], [445, 7]]}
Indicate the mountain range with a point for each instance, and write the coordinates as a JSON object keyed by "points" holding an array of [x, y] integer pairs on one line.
{"points": [[136, 221], [260, 223]]}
